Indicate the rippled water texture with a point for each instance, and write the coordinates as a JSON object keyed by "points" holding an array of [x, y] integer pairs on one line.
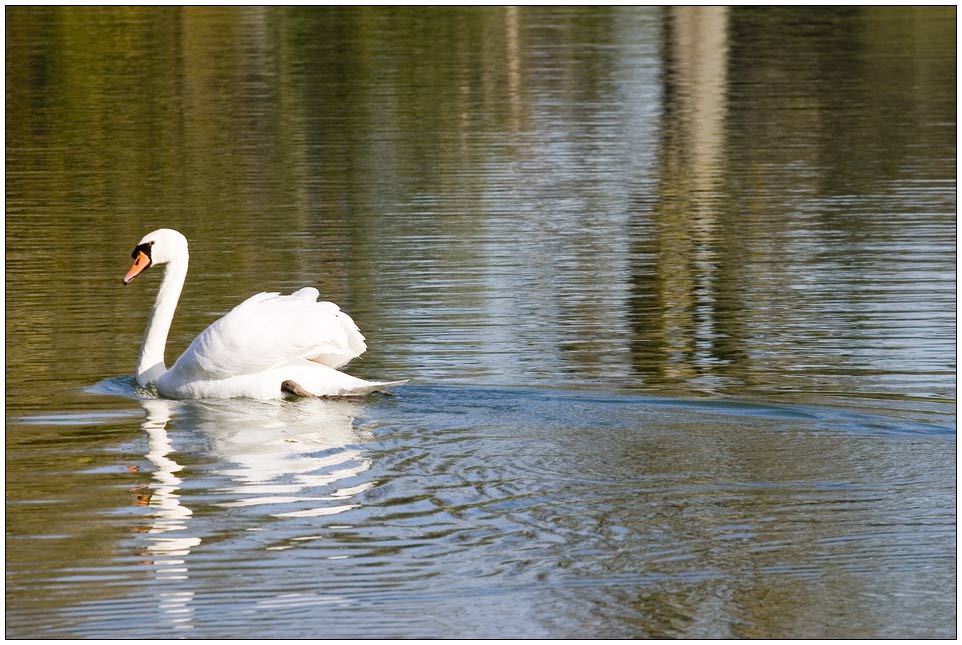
{"points": [[675, 290]]}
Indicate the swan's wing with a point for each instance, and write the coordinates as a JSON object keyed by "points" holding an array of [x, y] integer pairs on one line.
{"points": [[268, 330]]}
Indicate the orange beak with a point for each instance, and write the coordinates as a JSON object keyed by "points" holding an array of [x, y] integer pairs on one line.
{"points": [[141, 262]]}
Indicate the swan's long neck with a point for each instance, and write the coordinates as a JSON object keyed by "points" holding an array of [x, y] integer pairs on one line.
{"points": [[150, 363]]}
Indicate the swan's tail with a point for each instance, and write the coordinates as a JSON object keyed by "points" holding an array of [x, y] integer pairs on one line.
{"points": [[310, 379], [370, 387]]}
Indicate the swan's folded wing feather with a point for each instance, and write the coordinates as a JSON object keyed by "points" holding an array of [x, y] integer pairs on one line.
{"points": [[267, 330]]}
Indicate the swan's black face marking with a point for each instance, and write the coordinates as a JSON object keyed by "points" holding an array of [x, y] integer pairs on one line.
{"points": [[142, 248], [142, 261]]}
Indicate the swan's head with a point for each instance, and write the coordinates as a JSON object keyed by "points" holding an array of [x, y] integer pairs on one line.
{"points": [[159, 247]]}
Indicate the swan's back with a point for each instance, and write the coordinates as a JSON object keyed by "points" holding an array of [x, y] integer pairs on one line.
{"points": [[268, 330]]}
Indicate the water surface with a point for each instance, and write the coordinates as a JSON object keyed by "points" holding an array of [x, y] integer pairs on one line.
{"points": [[675, 289]]}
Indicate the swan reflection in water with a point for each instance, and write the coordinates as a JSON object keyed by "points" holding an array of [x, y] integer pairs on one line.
{"points": [[287, 457]]}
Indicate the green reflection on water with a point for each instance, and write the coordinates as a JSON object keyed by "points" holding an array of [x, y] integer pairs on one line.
{"points": [[703, 200]]}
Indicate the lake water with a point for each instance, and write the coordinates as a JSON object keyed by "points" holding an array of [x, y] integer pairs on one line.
{"points": [[675, 290]]}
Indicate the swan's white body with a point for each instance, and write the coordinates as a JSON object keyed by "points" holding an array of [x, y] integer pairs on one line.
{"points": [[265, 341]]}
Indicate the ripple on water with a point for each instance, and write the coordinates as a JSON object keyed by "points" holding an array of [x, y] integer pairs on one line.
{"points": [[419, 513]]}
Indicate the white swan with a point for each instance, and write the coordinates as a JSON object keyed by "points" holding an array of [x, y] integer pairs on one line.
{"points": [[267, 347]]}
